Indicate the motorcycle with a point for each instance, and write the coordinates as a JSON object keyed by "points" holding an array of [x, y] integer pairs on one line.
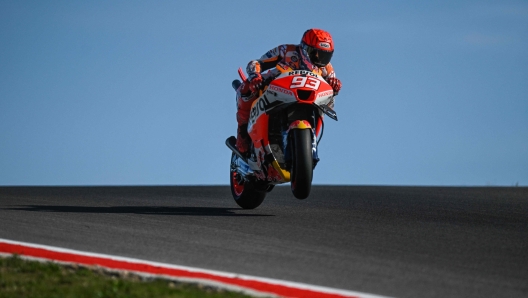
{"points": [[285, 126]]}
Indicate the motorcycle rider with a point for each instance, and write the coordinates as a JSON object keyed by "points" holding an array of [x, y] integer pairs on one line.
{"points": [[313, 53]]}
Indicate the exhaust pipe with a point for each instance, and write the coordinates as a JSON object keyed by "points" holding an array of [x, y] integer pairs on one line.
{"points": [[231, 144]]}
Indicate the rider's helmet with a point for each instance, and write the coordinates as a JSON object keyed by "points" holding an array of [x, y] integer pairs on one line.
{"points": [[318, 46]]}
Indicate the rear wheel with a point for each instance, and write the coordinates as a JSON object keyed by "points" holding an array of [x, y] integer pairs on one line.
{"points": [[247, 195], [302, 163]]}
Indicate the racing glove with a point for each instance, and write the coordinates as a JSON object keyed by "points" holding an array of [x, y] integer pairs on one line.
{"points": [[255, 82], [335, 83]]}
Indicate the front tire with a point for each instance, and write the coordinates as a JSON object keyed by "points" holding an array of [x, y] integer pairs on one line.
{"points": [[246, 194], [302, 163]]}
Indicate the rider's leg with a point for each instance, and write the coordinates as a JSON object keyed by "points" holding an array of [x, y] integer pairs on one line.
{"points": [[244, 101]]}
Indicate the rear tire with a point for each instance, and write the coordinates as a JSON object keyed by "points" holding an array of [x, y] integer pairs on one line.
{"points": [[302, 163], [246, 194]]}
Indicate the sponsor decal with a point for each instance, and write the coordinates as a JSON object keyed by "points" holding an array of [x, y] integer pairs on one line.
{"points": [[324, 45], [284, 66], [282, 50], [260, 107], [272, 53], [308, 82], [301, 73], [325, 93], [292, 57], [280, 90]]}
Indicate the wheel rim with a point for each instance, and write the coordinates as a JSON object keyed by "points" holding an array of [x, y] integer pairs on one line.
{"points": [[237, 187]]}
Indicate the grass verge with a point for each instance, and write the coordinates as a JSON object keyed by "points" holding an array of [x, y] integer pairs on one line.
{"points": [[22, 278]]}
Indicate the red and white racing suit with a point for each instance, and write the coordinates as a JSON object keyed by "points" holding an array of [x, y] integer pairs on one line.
{"points": [[287, 55]]}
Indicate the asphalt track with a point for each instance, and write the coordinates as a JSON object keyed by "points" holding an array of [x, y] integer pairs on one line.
{"points": [[393, 241]]}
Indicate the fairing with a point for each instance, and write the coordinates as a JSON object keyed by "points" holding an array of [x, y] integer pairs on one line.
{"points": [[299, 87]]}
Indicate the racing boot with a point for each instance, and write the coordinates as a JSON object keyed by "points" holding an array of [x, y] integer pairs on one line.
{"points": [[243, 141]]}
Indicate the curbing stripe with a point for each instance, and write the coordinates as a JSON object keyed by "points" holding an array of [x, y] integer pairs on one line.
{"points": [[244, 283]]}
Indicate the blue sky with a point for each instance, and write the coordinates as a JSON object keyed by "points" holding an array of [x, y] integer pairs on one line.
{"points": [[138, 92]]}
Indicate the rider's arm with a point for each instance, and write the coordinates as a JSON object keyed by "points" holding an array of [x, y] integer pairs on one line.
{"points": [[328, 71], [267, 61], [330, 77]]}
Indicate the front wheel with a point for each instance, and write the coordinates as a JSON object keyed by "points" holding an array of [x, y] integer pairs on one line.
{"points": [[302, 163], [246, 194]]}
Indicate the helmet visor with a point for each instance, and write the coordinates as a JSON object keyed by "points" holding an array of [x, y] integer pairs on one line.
{"points": [[319, 57], [323, 58]]}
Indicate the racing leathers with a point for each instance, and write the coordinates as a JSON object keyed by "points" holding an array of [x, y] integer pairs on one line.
{"points": [[285, 56]]}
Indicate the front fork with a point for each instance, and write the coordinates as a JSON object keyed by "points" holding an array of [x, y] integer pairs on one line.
{"points": [[299, 124]]}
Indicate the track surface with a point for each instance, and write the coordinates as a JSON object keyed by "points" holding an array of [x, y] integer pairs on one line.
{"points": [[394, 241]]}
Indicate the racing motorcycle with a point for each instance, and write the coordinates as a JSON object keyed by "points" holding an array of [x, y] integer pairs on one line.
{"points": [[285, 126]]}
